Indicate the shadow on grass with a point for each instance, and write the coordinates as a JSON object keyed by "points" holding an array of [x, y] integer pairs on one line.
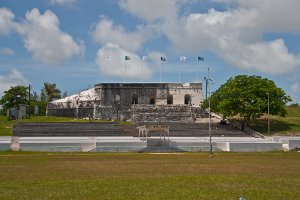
{"points": [[276, 126]]}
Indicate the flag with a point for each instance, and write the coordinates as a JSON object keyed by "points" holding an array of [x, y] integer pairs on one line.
{"points": [[182, 58], [163, 59], [145, 58], [127, 58], [107, 58], [200, 58]]}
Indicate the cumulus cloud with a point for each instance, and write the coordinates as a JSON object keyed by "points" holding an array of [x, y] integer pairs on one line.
{"points": [[295, 92], [115, 65], [271, 15], [155, 56], [6, 21], [234, 34], [6, 51], [268, 57], [14, 78], [44, 39], [107, 32], [150, 10], [63, 2], [295, 88]]}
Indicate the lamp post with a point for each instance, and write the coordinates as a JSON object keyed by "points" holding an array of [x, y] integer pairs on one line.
{"points": [[268, 113], [209, 122], [206, 84]]}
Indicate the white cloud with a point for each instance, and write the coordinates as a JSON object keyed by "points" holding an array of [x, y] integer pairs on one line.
{"points": [[6, 51], [235, 34], [150, 10], [268, 57], [295, 88], [6, 21], [63, 2], [155, 56], [14, 78], [295, 92], [115, 66], [44, 39], [107, 32], [271, 15]]}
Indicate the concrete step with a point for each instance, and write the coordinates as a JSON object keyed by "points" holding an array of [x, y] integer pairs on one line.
{"points": [[160, 150]]}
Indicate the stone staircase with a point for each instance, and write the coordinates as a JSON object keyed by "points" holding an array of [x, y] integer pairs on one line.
{"points": [[179, 129], [40, 129], [159, 145], [94, 129]]}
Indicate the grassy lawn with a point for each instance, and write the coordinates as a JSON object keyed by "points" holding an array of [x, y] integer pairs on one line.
{"points": [[289, 125], [146, 176]]}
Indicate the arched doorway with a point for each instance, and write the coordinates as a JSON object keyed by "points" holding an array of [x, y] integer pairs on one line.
{"points": [[170, 99], [152, 100], [135, 99], [187, 99]]}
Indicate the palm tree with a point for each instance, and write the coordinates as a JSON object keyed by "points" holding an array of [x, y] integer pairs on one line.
{"points": [[51, 91]]}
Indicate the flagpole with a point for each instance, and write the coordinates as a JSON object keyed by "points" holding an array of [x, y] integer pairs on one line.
{"points": [[198, 66], [179, 70], [105, 69], [125, 70], [160, 72], [209, 122], [143, 71]]}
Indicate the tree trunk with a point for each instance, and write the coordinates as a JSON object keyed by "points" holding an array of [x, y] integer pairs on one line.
{"points": [[244, 123]]}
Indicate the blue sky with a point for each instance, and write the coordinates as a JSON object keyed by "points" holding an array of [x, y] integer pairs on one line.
{"points": [[67, 41]]}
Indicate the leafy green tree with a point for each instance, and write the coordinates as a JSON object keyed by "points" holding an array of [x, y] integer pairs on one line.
{"points": [[15, 96], [43, 102], [34, 101], [51, 91], [43, 96], [247, 96]]}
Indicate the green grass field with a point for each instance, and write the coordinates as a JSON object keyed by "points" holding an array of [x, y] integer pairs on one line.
{"points": [[289, 125], [225, 176]]}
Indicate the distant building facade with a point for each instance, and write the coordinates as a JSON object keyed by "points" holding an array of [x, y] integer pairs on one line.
{"points": [[17, 112], [123, 101]]}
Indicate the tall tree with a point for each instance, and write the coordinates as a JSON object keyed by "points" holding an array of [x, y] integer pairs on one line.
{"points": [[65, 94], [14, 96], [43, 102], [51, 91], [43, 96], [247, 96]]}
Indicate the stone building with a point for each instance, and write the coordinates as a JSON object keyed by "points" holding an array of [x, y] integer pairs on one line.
{"points": [[136, 101]]}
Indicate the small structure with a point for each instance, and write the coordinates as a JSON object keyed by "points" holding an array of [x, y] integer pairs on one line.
{"points": [[17, 112], [145, 129]]}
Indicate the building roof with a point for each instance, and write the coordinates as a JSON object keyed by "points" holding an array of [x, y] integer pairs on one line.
{"points": [[87, 95]]}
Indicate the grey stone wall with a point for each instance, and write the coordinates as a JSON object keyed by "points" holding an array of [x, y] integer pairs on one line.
{"points": [[164, 113], [62, 112], [118, 93]]}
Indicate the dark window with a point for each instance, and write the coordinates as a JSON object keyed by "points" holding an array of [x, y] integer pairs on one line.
{"points": [[152, 100], [187, 99], [135, 99], [170, 99]]}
